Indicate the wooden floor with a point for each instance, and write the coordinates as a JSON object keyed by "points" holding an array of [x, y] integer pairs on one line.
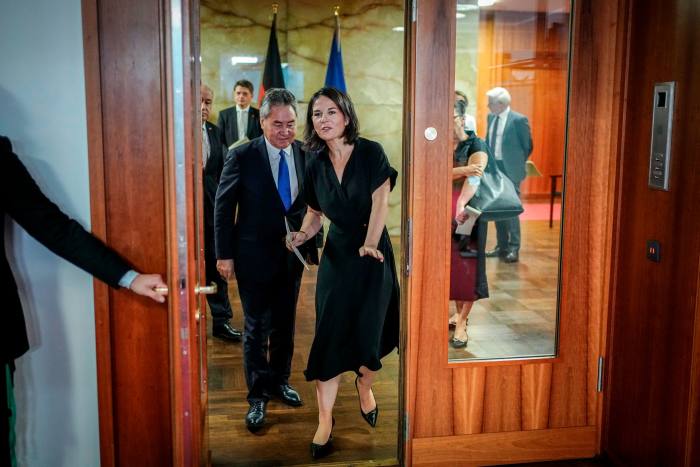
{"points": [[285, 440], [571, 463], [519, 317]]}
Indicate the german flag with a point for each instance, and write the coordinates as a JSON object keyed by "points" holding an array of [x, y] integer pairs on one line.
{"points": [[272, 75]]}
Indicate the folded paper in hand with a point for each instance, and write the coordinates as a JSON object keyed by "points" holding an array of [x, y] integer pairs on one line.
{"points": [[294, 249], [466, 228], [239, 142]]}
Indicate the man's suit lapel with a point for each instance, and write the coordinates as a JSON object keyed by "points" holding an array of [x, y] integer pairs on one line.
{"points": [[251, 122], [234, 124], [298, 163], [507, 129], [213, 144]]}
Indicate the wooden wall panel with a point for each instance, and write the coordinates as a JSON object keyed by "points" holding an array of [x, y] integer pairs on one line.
{"points": [[526, 52], [468, 389], [505, 448], [536, 384], [553, 401], [502, 399], [649, 418], [123, 74]]}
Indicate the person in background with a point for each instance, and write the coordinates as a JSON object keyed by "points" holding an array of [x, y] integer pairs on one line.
{"points": [[213, 152], [469, 121], [348, 179], [509, 138], [261, 190], [468, 281], [242, 121], [23, 202]]}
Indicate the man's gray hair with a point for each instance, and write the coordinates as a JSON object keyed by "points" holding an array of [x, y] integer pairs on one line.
{"points": [[499, 95], [277, 97]]}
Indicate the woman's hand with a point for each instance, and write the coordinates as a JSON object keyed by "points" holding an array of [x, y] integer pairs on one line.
{"points": [[473, 170], [461, 217], [294, 239], [367, 250]]}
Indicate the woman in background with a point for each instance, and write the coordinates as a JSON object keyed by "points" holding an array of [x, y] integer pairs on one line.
{"points": [[467, 266]]}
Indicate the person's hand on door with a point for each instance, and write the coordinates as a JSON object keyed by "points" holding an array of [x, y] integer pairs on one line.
{"points": [[225, 268], [151, 286]]}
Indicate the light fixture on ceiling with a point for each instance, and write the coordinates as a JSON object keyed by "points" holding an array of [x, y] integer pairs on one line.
{"points": [[243, 59], [397, 29], [467, 7]]}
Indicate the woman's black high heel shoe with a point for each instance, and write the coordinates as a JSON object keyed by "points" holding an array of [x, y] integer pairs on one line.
{"points": [[322, 450], [371, 416]]}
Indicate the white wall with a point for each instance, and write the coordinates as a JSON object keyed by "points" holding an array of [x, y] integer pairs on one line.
{"points": [[42, 110]]}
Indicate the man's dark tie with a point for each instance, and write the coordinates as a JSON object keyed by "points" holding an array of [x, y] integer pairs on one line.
{"points": [[493, 134], [283, 184]]}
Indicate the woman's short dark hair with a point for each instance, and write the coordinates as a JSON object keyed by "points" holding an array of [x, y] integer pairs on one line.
{"points": [[312, 142]]}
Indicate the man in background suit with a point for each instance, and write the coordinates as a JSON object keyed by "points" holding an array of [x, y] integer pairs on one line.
{"points": [[241, 120], [260, 186], [508, 136], [213, 152], [22, 200]]}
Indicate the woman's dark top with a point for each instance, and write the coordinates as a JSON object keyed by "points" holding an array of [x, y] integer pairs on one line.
{"points": [[357, 298], [467, 275]]}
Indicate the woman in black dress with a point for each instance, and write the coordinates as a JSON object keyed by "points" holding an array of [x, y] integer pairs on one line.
{"points": [[467, 265], [348, 179]]}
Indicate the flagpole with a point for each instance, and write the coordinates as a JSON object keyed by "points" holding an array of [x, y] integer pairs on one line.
{"points": [[336, 12]]}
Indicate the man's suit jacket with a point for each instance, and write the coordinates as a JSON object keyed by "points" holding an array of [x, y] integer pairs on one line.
{"points": [[516, 146], [249, 214], [22, 200], [212, 171], [228, 123]]}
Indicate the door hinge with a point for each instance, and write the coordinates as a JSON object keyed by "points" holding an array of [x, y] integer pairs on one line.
{"points": [[601, 364], [409, 246], [414, 10]]}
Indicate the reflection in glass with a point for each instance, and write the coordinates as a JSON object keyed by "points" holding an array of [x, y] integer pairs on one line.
{"points": [[512, 71]]}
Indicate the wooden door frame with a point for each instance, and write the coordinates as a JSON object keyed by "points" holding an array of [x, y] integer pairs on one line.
{"points": [[440, 418], [111, 75]]}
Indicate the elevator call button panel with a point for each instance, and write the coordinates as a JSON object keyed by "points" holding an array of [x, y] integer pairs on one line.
{"points": [[661, 125]]}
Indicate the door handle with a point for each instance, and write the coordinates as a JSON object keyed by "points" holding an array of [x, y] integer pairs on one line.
{"points": [[206, 289], [198, 289]]}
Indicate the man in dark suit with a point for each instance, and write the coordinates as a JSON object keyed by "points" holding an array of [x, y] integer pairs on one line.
{"points": [[22, 200], [508, 135], [213, 152], [260, 186], [241, 120]]}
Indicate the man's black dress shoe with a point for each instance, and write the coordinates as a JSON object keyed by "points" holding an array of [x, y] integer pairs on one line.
{"points": [[511, 257], [288, 395], [371, 416], [322, 450], [496, 252], [226, 332], [255, 418]]}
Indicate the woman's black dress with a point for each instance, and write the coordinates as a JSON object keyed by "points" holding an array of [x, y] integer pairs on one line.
{"points": [[357, 298]]}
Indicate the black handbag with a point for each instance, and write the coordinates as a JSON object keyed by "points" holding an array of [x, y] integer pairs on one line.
{"points": [[496, 196]]}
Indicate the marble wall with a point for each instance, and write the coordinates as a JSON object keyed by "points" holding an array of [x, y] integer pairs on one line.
{"points": [[372, 59]]}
